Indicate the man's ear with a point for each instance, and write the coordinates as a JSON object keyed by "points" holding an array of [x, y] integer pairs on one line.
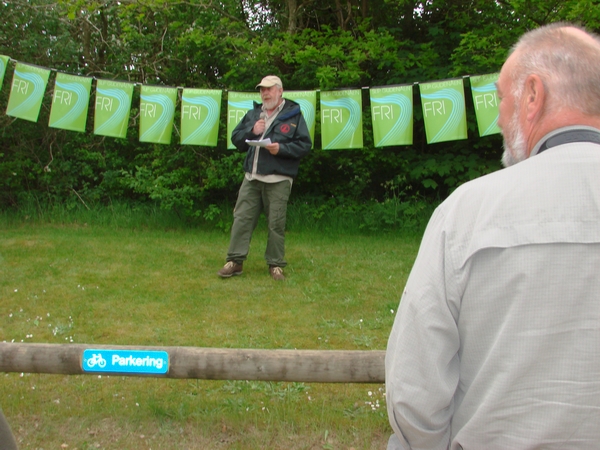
{"points": [[535, 96]]}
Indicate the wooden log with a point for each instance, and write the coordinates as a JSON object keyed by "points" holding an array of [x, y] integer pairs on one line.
{"points": [[319, 366]]}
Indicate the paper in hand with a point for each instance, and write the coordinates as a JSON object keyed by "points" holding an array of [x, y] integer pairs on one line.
{"points": [[260, 143]]}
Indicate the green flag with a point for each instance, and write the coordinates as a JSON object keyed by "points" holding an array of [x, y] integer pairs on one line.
{"points": [[238, 104], [444, 110], [392, 115], [70, 102], [113, 104], [341, 119], [27, 92], [157, 110], [200, 111], [308, 104], [3, 65], [485, 99]]}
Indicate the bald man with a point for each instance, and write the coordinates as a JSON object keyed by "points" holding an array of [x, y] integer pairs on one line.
{"points": [[496, 343]]}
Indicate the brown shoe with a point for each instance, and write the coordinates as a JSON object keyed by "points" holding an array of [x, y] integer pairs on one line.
{"points": [[276, 273], [230, 269]]}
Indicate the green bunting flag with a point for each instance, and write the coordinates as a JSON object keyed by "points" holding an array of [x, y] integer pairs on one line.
{"points": [[70, 102], [392, 115], [113, 104], [444, 110], [485, 100], [3, 65], [238, 104], [157, 110], [27, 91], [200, 111], [391, 107], [341, 119], [308, 105]]}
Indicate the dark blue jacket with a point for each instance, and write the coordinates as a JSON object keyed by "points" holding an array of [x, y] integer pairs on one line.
{"points": [[288, 129]]}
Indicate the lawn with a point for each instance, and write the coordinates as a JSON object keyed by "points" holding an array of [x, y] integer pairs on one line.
{"points": [[101, 284]]}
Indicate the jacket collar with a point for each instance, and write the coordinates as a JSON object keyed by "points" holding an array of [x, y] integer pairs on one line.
{"points": [[566, 135]]}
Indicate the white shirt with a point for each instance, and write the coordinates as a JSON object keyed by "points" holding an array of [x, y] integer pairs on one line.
{"points": [[496, 343]]}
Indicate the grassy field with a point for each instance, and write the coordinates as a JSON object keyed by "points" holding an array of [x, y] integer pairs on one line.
{"points": [[101, 284]]}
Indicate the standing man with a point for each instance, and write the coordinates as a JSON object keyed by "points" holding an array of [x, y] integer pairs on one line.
{"points": [[269, 172], [496, 344]]}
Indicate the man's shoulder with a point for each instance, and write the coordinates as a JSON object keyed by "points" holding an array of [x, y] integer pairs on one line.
{"points": [[290, 109], [483, 184], [254, 112], [290, 103], [494, 188]]}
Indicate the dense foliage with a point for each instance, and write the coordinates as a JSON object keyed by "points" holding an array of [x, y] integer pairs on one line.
{"points": [[229, 45]]}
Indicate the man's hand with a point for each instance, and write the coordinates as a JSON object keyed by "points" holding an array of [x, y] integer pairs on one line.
{"points": [[259, 127], [273, 148]]}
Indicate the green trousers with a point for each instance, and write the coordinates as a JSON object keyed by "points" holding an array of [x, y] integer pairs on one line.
{"points": [[255, 197]]}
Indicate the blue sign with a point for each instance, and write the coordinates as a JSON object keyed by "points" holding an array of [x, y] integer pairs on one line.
{"points": [[125, 361]]}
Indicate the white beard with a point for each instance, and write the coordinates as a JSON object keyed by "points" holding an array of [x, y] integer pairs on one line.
{"points": [[270, 104], [515, 147]]}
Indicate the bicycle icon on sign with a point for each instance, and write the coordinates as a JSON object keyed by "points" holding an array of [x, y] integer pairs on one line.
{"points": [[96, 359]]}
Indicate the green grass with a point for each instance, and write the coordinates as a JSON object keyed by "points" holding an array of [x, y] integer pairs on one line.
{"points": [[104, 283]]}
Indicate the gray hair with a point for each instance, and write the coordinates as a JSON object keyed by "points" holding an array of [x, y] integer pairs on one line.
{"points": [[567, 61]]}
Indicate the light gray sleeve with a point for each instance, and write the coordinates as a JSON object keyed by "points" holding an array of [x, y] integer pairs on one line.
{"points": [[422, 366]]}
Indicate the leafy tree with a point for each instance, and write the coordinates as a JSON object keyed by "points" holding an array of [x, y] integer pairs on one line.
{"points": [[229, 45]]}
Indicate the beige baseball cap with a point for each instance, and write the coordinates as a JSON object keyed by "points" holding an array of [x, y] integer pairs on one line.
{"points": [[269, 81]]}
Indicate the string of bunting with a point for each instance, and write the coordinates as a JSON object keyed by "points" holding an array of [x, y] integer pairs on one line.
{"points": [[443, 104]]}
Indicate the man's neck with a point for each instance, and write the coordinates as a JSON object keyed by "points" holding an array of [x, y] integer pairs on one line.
{"points": [[561, 119], [566, 135]]}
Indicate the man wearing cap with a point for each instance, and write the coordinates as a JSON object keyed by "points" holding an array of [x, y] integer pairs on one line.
{"points": [[269, 172]]}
